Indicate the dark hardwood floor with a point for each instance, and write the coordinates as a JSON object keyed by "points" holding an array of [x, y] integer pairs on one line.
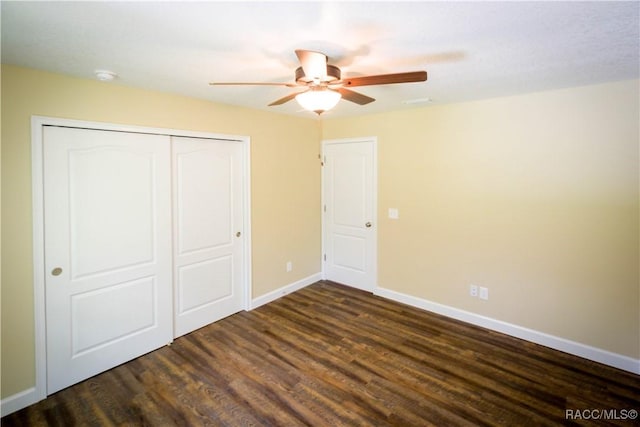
{"points": [[330, 355]]}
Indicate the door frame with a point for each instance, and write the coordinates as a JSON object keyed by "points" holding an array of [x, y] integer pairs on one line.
{"points": [[37, 189], [374, 141]]}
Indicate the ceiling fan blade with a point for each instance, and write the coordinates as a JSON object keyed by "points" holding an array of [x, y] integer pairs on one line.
{"points": [[313, 63], [356, 97], [385, 79], [284, 99], [252, 84]]}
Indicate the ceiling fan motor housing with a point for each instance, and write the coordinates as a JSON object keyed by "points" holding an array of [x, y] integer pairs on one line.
{"points": [[333, 74]]}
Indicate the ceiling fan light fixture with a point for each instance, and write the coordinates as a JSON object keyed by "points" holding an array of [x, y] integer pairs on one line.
{"points": [[318, 100], [324, 85]]}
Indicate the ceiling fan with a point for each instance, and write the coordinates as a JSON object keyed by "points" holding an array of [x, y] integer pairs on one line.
{"points": [[325, 86]]}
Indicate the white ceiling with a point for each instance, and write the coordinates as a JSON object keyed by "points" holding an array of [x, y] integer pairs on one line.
{"points": [[471, 50]]}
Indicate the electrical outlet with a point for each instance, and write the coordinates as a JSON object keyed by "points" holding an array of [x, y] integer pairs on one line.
{"points": [[484, 293], [289, 266], [473, 290]]}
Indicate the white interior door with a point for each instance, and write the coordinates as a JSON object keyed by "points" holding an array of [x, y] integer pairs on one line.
{"points": [[349, 199], [107, 216], [208, 232]]}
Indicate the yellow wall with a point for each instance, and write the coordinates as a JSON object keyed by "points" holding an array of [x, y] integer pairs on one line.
{"points": [[532, 196], [285, 181]]}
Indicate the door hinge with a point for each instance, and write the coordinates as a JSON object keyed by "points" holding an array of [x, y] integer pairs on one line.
{"points": [[325, 208], [325, 257]]}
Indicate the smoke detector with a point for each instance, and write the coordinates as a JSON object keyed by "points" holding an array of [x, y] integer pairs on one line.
{"points": [[105, 76]]}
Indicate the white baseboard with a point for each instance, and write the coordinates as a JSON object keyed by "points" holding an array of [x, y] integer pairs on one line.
{"points": [[29, 396], [287, 289], [585, 351], [18, 401]]}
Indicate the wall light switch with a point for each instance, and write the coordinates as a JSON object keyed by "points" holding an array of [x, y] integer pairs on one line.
{"points": [[393, 213]]}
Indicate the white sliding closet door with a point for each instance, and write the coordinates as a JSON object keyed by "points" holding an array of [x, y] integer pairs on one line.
{"points": [[207, 231], [107, 246]]}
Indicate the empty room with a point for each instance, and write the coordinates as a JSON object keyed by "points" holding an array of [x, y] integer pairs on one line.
{"points": [[320, 213]]}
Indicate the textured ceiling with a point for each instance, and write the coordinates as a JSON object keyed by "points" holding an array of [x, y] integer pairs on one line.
{"points": [[471, 50]]}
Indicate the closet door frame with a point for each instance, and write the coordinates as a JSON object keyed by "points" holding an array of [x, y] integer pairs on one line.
{"points": [[39, 391]]}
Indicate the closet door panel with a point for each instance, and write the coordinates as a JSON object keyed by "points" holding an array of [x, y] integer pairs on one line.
{"points": [[108, 289], [208, 213]]}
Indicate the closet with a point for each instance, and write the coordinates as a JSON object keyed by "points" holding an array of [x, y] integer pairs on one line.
{"points": [[143, 241]]}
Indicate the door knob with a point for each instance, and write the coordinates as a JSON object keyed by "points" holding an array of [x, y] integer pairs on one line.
{"points": [[238, 234], [56, 271], [368, 225]]}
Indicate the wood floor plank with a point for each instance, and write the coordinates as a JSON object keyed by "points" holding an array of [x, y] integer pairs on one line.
{"points": [[330, 355]]}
